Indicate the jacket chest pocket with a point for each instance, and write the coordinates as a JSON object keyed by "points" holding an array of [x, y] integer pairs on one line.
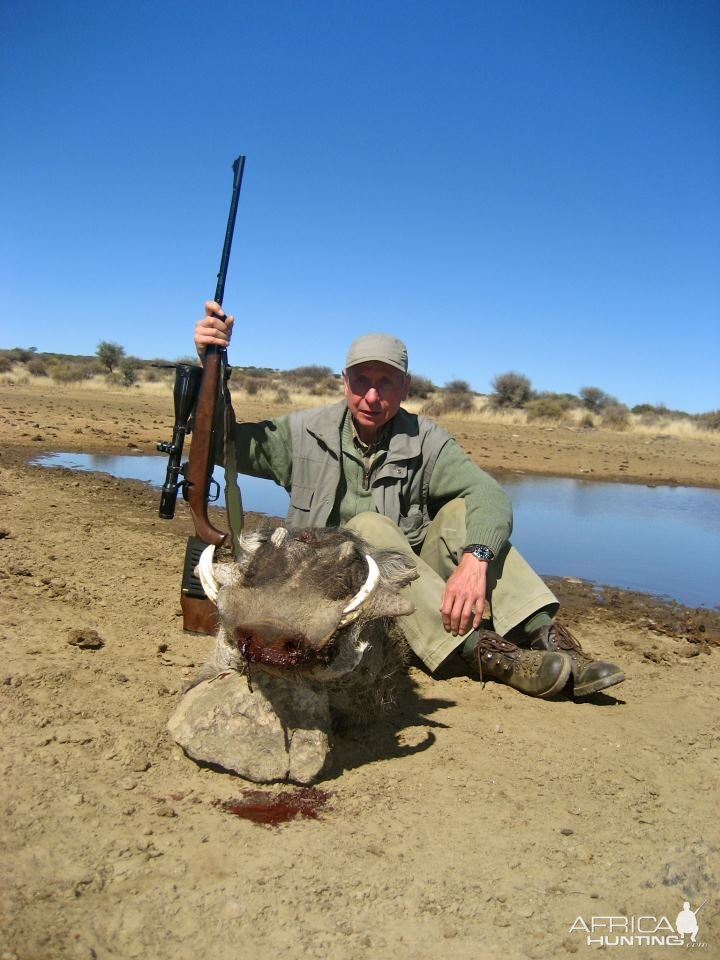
{"points": [[301, 497]]}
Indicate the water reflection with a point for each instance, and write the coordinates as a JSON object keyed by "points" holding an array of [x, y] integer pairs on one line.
{"points": [[660, 540], [259, 496]]}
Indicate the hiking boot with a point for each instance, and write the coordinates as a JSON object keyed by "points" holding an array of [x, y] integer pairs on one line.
{"points": [[588, 675], [534, 672]]}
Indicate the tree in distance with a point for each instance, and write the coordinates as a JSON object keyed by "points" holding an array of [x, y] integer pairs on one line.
{"points": [[595, 400], [511, 390], [109, 354]]}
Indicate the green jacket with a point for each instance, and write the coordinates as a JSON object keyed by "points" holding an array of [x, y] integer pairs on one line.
{"points": [[423, 469]]}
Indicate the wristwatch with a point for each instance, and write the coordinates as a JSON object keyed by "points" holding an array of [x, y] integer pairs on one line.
{"points": [[480, 551]]}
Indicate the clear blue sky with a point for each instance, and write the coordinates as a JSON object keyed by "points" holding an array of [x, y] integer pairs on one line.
{"points": [[530, 186]]}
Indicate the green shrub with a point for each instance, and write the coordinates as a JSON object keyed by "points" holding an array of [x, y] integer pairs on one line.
{"points": [[37, 367], [444, 403], [128, 371], [421, 387], [511, 390], [66, 373], [6, 364], [709, 421], [548, 407], [658, 411], [457, 386], [616, 416], [311, 373], [90, 369], [282, 395], [326, 386], [596, 400], [20, 354]]}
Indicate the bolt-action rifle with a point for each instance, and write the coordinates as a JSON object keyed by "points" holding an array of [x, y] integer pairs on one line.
{"points": [[197, 391]]}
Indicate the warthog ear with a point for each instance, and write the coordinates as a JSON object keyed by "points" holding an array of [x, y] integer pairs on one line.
{"points": [[212, 575], [387, 603], [396, 569]]}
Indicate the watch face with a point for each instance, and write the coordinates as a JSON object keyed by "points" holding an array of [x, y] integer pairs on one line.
{"points": [[480, 551]]}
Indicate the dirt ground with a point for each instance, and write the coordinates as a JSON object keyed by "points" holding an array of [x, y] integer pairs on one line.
{"points": [[472, 822]]}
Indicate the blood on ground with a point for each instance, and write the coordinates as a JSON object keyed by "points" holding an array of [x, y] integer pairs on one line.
{"points": [[270, 809]]}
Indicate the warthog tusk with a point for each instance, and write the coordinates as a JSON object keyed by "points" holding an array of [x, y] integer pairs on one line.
{"points": [[352, 610], [207, 574], [279, 535]]}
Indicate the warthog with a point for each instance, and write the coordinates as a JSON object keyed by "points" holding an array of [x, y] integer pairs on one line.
{"points": [[305, 643]]}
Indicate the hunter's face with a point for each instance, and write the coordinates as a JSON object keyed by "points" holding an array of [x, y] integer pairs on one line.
{"points": [[374, 392]]}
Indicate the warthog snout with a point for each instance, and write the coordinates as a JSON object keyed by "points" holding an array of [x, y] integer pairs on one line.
{"points": [[273, 642], [300, 599]]}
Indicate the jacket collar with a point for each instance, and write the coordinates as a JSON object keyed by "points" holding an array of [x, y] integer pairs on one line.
{"points": [[326, 423]]}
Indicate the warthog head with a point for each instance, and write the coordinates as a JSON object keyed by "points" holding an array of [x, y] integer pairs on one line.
{"points": [[298, 600]]}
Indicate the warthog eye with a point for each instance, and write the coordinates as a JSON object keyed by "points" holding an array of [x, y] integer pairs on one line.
{"points": [[311, 537]]}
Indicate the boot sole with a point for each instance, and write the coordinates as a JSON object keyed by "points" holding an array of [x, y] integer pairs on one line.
{"points": [[587, 689], [560, 683]]}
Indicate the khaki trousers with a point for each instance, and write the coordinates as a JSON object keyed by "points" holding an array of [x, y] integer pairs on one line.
{"points": [[515, 592]]}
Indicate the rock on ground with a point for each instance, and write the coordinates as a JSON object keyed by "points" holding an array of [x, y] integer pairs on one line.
{"points": [[279, 730]]}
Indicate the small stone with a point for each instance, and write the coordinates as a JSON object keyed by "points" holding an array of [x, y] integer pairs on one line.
{"points": [[165, 811], [127, 784], [139, 764], [76, 799], [567, 831], [85, 638]]}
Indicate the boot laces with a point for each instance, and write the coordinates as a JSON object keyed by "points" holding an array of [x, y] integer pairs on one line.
{"points": [[492, 644], [561, 636]]}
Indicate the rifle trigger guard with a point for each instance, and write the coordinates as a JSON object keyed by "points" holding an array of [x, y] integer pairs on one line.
{"points": [[213, 490]]}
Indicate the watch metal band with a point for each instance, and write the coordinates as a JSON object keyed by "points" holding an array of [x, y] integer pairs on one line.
{"points": [[480, 551]]}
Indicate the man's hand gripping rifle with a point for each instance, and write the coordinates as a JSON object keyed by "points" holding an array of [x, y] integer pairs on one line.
{"points": [[198, 390]]}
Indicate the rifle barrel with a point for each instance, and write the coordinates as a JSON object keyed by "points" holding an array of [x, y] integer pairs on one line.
{"points": [[238, 168]]}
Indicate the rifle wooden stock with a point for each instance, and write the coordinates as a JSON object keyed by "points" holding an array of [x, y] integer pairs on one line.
{"points": [[200, 461]]}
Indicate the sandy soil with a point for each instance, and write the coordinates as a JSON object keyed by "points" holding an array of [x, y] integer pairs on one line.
{"points": [[471, 823]]}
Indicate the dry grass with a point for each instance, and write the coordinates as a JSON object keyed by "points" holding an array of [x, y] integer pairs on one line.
{"points": [[266, 391]]}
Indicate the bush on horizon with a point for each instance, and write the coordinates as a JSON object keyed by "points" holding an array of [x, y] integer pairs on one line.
{"points": [[456, 397], [709, 420], [596, 400], [616, 416], [550, 406], [511, 389], [420, 387]]}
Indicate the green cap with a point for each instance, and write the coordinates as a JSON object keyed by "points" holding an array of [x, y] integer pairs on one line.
{"points": [[378, 346]]}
